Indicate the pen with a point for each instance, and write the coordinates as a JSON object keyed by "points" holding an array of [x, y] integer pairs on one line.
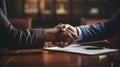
{"points": [[94, 48]]}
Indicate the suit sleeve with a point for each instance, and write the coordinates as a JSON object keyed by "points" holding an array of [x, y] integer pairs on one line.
{"points": [[12, 38], [101, 30]]}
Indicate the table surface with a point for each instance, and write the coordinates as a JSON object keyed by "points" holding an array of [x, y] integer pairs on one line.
{"points": [[42, 58]]}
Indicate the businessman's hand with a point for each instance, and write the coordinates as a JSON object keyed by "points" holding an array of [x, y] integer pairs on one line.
{"points": [[67, 33], [68, 27], [62, 35], [57, 35]]}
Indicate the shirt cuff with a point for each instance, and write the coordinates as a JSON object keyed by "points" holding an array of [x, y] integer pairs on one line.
{"points": [[80, 35]]}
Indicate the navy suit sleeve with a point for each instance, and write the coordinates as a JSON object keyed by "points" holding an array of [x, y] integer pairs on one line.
{"points": [[13, 38], [101, 30]]}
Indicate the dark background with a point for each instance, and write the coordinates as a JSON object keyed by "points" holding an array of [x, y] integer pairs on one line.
{"points": [[77, 9]]}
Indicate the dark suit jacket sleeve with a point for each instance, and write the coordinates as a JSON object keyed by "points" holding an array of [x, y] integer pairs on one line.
{"points": [[102, 30], [13, 38]]}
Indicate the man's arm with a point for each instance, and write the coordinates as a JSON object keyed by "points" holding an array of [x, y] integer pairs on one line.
{"points": [[100, 30], [19, 39], [34, 38]]}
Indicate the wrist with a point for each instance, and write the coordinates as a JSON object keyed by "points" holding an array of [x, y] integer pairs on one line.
{"points": [[50, 34]]}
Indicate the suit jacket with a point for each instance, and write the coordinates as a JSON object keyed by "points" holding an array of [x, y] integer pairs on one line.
{"points": [[12, 38], [101, 31]]}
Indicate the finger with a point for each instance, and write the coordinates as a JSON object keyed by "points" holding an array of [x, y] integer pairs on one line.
{"points": [[59, 25], [64, 44], [59, 44], [69, 35], [65, 27], [73, 35], [70, 27]]}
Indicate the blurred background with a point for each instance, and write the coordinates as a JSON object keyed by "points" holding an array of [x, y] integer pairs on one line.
{"points": [[48, 13]]}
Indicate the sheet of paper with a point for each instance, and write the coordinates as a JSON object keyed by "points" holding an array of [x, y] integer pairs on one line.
{"points": [[75, 48]]}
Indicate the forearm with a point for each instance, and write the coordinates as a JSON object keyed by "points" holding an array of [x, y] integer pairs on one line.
{"points": [[23, 39]]}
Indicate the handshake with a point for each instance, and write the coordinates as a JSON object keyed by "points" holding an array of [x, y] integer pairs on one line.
{"points": [[62, 35]]}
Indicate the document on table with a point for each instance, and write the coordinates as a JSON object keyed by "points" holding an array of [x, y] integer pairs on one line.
{"points": [[80, 49]]}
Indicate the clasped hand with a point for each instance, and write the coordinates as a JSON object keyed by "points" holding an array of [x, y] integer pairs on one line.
{"points": [[65, 36], [62, 35]]}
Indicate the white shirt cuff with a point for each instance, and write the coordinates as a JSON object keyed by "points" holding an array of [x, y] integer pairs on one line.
{"points": [[80, 35]]}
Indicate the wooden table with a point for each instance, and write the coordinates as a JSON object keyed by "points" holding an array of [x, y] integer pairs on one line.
{"points": [[42, 58]]}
